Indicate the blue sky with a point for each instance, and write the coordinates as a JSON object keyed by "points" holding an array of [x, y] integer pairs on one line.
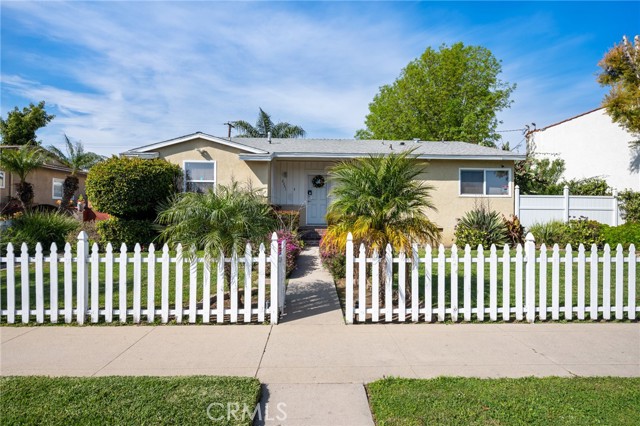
{"points": [[123, 74]]}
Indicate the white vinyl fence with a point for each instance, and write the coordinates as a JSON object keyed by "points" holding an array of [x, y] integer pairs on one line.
{"points": [[525, 283], [150, 286], [532, 209]]}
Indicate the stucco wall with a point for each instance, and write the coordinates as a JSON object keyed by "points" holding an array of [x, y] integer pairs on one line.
{"points": [[42, 181], [228, 166], [591, 145], [290, 189]]}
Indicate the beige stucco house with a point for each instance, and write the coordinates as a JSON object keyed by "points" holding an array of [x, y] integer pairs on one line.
{"points": [[47, 184], [294, 172]]}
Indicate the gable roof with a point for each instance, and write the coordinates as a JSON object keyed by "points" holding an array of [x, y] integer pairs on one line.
{"points": [[263, 149], [567, 119]]}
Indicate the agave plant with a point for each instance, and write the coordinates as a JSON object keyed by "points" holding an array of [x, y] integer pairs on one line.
{"points": [[481, 226]]}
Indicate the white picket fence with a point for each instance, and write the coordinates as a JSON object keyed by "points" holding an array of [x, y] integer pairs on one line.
{"points": [[518, 284], [87, 297]]}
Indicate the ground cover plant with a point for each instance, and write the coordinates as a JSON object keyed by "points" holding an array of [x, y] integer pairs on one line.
{"points": [[126, 400], [525, 401]]}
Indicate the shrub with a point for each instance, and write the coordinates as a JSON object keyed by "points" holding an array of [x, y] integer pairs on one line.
{"points": [[515, 230], [334, 260], [289, 219], [588, 186], [583, 231], [222, 220], [43, 227], [294, 246], [626, 234], [481, 226], [549, 233], [630, 205], [131, 188], [91, 229], [117, 231]]}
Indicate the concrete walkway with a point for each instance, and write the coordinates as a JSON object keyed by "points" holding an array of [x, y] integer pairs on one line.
{"points": [[315, 363]]}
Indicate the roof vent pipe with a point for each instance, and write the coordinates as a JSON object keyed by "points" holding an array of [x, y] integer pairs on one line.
{"points": [[416, 140], [269, 137]]}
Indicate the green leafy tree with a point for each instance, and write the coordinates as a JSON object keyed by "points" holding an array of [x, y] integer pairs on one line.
{"points": [[538, 176], [75, 158], [621, 72], [22, 161], [20, 126], [264, 125], [222, 220], [380, 200], [450, 94]]}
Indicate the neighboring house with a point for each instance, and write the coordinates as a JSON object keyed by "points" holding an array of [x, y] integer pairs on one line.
{"points": [[591, 144], [294, 172], [47, 184]]}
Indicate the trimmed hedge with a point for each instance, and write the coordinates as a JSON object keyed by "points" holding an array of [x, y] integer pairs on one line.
{"points": [[117, 231], [132, 188]]}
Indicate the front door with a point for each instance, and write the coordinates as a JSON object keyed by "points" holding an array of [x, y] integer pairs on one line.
{"points": [[317, 192]]}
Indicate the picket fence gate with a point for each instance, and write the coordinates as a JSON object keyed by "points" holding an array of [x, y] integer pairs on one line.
{"points": [[81, 278], [528, 269]]}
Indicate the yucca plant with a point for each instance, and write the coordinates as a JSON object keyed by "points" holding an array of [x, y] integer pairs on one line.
{"points": [[76, 158], [481, 226], [380, 200], [223, 219]]}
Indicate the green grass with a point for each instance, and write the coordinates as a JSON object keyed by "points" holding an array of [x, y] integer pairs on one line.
{"points": [[499, 288], [144, 276], [125, 400], [526, 401]]}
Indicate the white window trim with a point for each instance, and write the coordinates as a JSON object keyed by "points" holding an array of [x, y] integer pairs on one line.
{"points": [[215, 173], [53, 192], [484, 183], [4, 177]]}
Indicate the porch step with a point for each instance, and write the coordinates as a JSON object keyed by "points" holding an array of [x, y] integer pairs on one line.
{"points": [[311, 235]]}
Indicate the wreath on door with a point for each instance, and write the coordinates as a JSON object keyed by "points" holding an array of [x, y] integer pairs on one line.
{"points": [[317, 181]]}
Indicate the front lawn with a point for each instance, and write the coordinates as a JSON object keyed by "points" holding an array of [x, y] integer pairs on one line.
{"points": [[126, 400], [526, 401]]}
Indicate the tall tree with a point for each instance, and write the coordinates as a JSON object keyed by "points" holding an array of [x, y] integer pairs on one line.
{"points": [[22, 161], [621, 72], [75, 158], [380, 201], [264, 125], [20, 126], [450, 94]]}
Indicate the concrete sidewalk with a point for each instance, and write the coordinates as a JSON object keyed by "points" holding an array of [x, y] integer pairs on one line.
{"points": [[313, 354]]}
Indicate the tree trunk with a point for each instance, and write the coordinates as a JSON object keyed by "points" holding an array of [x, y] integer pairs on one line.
{"points": [[69, 188], [24, 191]]}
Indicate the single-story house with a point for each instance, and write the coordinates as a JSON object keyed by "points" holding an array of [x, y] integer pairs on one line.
{"points": [[47, 183], [294, 172], [591, 144]]}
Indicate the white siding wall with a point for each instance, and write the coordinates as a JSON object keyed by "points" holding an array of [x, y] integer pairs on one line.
{"points": [[289, 186], [591, 145]]}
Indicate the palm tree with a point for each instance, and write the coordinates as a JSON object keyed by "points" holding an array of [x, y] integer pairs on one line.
{"points": [[380, 201], [264, 125], [22, 161], [217, 221], [75, 159]]}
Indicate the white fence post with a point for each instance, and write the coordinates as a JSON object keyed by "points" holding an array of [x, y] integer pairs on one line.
{"points": [[530, 277], [516, 208], [565, 213], [614, 210], [349, 280], [273, 257], [82, 275]]}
